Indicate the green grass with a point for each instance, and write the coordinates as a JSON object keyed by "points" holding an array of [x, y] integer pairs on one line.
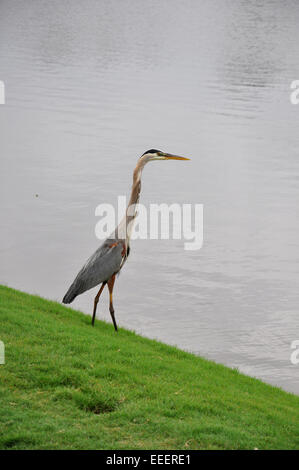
{"points": [[66, 385]]}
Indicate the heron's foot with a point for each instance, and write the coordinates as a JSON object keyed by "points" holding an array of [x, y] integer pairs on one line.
{"points": [[111, 309]]}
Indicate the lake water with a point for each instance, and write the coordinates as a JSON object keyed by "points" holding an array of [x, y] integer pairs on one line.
{"points": [[89, 87]]}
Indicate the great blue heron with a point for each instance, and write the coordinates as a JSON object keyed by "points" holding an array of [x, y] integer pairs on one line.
{"points": [[110, 257]]}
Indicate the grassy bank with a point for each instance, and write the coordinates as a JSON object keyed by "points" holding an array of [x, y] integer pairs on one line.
{"points": [[66, 385]]}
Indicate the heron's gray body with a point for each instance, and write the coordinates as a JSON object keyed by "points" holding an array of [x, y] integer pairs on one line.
{"points": [[107, 260]]}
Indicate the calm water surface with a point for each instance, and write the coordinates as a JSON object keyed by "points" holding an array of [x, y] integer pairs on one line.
{"points": [[89, 87]]}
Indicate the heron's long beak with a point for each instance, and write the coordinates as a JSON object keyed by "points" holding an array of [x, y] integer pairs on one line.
{"points": [[169, 156]]}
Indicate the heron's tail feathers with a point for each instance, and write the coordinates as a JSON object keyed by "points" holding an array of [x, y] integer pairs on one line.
{"points": [[70, 295]]}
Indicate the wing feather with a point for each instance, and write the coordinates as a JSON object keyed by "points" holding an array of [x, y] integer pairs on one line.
{"points": [[103, 263]]}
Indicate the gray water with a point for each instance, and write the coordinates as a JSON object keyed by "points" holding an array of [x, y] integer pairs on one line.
{"points": [[89, 87]]}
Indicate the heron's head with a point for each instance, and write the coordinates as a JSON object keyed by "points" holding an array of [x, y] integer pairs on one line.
{"points": [[154, 154]]}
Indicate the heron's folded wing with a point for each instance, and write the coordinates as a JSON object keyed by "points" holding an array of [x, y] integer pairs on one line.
{"points": [[104, 262]]}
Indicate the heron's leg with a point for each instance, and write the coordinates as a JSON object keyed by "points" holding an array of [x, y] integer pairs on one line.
{"points": [[111, 309], [96, 299]]}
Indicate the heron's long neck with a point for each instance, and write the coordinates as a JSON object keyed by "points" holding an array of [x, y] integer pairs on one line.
{"points": [[127, 222], [135, 193]]}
